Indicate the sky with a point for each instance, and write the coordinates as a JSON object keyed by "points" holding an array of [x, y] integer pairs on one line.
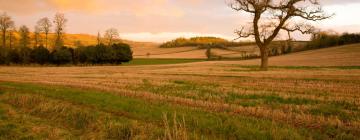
{"points": [[161, 20]]}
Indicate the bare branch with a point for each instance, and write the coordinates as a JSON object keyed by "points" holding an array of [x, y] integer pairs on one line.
{"points": [[243, 34]]}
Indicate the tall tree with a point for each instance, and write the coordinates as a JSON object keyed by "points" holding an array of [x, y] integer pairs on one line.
{"points": [[5, 23], [11, 36], [37, 36], [24, 36], [60, 24], [272, 16], [44, 25], [111, 34]]}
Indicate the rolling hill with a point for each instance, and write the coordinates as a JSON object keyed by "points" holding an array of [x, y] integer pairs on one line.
{"points": [[347, 55]]}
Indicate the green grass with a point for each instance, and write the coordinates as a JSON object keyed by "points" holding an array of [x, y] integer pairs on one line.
{"points": [[152, 61], [90, 105]]}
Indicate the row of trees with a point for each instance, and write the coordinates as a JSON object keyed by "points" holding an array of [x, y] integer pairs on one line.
{"points": [[328, 39], [40, 34], [203, 42], [43, 26], [99, 54], [31, 49]]}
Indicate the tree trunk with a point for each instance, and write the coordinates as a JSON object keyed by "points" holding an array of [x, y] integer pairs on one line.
{"points": [[10, 39], [264, 58]]}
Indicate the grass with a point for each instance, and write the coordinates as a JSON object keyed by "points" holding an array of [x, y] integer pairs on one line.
{"points": [[209, 100], [78, 109], [152, 61]]}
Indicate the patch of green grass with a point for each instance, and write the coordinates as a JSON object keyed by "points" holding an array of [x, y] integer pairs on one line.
{"points": [[152, 61], [343, 110], [184, 89], [208, 125], [346, 67], [268, 99]]}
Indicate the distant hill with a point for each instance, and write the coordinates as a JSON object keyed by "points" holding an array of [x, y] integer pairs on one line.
{"points": [[203, 42], [73, 40]]}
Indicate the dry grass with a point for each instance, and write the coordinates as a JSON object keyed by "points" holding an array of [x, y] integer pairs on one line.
{"points": [[321, 99], [336, 56]]}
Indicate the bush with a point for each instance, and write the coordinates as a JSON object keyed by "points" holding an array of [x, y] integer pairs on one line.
{"points": [[4, 59], [100, 54], [61, 56], [40, 55], [122, 53], [24, 54]]}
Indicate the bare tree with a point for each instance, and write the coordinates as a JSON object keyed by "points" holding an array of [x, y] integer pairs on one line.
{"points": [[60, 23], [111, 34], [24, 36], [272, 16], [37, 37], [5, 23], [44, 25]]}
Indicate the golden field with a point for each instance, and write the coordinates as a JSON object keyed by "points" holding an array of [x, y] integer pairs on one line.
{"points": [[306, 95]]}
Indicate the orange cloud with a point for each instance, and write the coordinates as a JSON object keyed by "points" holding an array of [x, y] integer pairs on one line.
{"points": [[77, 5]]}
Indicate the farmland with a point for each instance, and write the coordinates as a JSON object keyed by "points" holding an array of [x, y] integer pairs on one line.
{"points": [[306, 95]]}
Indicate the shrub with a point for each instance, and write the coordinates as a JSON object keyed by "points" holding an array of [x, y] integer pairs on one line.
{"points": [[100, 54], [61, 56], [40, 55], [122, 53], [4, 59], [24, 53]]}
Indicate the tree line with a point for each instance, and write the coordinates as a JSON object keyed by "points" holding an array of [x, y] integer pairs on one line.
{"points": [[20, 46], [99, 54], [328, 39], [203, 42]]}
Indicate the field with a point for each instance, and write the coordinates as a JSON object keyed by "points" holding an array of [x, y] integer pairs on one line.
{"points": [[306, 95]]}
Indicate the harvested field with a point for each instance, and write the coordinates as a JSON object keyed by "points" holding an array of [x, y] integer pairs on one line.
{"points": [[201, 100]]}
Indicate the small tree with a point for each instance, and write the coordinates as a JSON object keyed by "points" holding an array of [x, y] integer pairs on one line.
{"points": [[44, 26], [37, 37], [98, 38], [24, 36], [208, 52], [272, 16]]}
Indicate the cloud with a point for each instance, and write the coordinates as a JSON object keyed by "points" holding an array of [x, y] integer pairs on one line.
{"points": [[155, 19], [28, 7], [138, 8], [166, 36]]}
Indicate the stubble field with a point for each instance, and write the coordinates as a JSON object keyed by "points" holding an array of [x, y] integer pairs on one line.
{"points": [[201, 100]]}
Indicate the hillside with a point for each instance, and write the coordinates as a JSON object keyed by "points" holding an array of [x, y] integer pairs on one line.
{"points": [[73, 40], [188, 52], [347, 55]]}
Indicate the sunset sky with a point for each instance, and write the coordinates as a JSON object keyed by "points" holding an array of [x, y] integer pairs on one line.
{"points": [[160, 20]]}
